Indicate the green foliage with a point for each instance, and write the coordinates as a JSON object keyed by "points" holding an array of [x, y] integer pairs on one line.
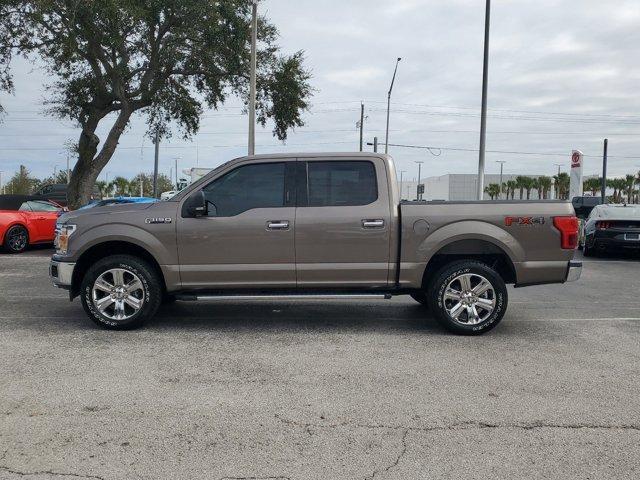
{"points": [[21, 183], [493, 190], [169, 59]]}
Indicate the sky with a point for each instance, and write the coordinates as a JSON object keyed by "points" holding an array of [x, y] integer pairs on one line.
{"points": [[563, 75]]}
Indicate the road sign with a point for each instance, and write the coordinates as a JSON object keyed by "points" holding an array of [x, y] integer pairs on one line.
{"points": [[577, 162]]}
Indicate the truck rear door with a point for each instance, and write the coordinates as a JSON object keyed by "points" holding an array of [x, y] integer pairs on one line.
{"points": [[342, 223]]}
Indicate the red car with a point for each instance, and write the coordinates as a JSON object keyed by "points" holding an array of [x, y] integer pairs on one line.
{"points": [[26, 220]]}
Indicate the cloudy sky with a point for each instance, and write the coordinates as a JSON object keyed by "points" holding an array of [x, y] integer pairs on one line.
{"points": [[564, 74]]}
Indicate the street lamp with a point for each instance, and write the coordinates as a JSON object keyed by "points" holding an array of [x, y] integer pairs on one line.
{"points": [[501, 162], [419, 162], [386, 143], [401, 182], [252, 79], [483, 115]]}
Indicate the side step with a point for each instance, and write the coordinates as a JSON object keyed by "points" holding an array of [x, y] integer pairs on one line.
{"points": [[302, 296]]}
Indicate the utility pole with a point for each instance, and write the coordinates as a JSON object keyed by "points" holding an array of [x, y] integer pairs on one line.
{"points": [[1, 184], [501, 162], [418, 195], [375, 144], [252, 81], [361, 124], [483, 115], [55, 172], [386, 143], [559, 165], [68, 171], [401, 182], [176, 159], [604, 171], [156, 141]]}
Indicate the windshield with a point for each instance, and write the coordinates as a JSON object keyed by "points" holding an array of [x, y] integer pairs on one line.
{"points": [[630, 211]]}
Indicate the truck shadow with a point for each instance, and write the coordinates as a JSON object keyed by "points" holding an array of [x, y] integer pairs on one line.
{"points": [[296, 316]]}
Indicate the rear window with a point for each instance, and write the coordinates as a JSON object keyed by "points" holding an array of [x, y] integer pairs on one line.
{"points": [[333, 184], [631, 212]]}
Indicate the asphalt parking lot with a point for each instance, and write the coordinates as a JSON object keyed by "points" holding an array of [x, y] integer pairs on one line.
{"points": [[330, 390]]}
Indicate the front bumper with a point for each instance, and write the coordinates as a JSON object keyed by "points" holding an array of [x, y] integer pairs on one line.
{"points": [[574, 271], [61, 273]]}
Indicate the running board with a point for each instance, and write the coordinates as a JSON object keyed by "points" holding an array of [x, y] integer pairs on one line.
{"points": [[332, 296]]}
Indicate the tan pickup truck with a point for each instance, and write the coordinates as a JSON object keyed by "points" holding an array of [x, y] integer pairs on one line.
{"points": [[311, 226]]}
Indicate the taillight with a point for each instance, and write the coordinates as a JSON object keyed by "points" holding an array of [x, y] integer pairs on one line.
{"points": [[603, 225], [568, 227]]}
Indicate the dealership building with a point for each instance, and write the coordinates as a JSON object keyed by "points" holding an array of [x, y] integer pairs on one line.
{"points": [[457, 187]]}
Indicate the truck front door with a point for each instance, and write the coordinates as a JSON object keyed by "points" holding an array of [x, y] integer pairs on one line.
{"points": [[247, 238], [342, 223]]}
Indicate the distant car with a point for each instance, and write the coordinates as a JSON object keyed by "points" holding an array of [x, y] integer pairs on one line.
{"points": [[118, 201], [584, 205], [611, 228], [26, 220], [58, 193], [168, 195]]}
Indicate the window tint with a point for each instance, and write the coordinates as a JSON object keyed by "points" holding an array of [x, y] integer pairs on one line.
{"points": [[341, 183], [252, 186], [25, 207], [42, 207]]}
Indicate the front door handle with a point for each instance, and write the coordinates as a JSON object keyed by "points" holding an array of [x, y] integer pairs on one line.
{"points": [[278, 224], [373, 223]]}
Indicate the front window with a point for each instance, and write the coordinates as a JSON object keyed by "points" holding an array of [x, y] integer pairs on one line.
{"points": [[37, 206], [260, 185]]}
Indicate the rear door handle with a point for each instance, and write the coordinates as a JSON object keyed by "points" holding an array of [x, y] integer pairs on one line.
{"points": [[372, 223], [278, 224]]}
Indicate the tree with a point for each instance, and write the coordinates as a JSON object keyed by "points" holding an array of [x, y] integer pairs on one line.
{"points": [[562, 181], [520, 182], [592, 185], [527, 184], [511, 188], [102, 187], [630, 183], [535, 185], [493, 190], [121, 186], [147, 185], [164, 184], [22, 183], [167, 59], [545, 185]]}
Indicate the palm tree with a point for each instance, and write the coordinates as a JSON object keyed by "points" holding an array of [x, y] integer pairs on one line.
{"points": [[630, 182], [527, 184], [545, 184], [535, 185], [511, 188], [592, 185], [121, 185], [520, 182], [493, 190], [562, 185], [102, 188]]}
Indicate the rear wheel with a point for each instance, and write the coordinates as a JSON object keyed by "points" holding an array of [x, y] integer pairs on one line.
{"points": [[121, 292], [16, 239], [468, 297], [586, 250]]}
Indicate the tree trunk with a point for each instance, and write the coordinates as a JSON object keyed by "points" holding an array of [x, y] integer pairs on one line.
{"points": [[89, 165]]}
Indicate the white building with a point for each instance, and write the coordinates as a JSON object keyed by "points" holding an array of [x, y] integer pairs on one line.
{"points": [[457, 187]]}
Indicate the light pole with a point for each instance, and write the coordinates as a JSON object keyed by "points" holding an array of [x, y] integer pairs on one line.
{"points": [[419, 162], [501, 162], [55, 172], [386, 143], [483, 115], [252, 80], [559, 165], [401, 182]]}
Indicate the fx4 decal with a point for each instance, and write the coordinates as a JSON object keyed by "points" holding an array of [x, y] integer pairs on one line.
{"points": [[510, 221]]}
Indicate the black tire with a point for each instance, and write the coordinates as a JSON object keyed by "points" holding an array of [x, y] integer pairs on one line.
{"points": [[149, 292], [588, 251], [420, 297], [449, 274], [16, 240]]}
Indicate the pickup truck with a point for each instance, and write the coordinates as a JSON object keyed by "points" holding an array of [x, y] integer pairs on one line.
{"points": [[311, 226]]}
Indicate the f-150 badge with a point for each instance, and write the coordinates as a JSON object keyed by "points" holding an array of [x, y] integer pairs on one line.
{"points": [[510, 221], [152, 221]]}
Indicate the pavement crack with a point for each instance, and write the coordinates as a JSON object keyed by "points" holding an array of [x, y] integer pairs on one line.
{"points": [[48, 472], [403, 450], [460, 426]]}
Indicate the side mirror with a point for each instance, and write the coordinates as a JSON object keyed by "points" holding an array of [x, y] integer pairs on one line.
{"points": [[196, 205]]}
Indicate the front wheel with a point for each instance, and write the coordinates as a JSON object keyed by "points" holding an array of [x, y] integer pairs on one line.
{"points": [[468, 297], [120, 292]]}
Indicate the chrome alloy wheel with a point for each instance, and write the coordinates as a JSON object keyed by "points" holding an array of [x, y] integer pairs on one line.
{"points": [[469, 299], [118, 294]]}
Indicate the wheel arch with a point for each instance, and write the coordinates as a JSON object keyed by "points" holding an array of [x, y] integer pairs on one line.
{"points": [[479, 249], [106, 249], [16, 223]]}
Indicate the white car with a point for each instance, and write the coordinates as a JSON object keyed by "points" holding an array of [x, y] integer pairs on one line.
{"points": [[168, 195]]}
